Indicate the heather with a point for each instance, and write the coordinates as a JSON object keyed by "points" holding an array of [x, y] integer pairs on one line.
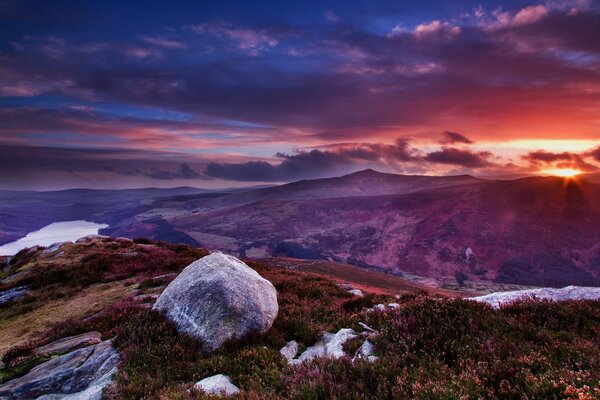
{"points": [[430, 347]]}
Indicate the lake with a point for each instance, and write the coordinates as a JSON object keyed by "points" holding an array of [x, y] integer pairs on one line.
{"points": [[53, 233]]}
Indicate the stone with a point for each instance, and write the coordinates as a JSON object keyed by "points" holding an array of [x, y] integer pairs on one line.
{"points": [[217, 385], [356, 292], [499, 299], [393, 305], [331, 345], [13, 294], [289, 351], [67, 344], [80, 374], [365, 351], [52, 248], [367, 327], [379, 307], [218, 298]]}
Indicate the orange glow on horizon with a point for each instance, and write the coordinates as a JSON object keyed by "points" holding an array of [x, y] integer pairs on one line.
{"points": [[562, 172]]}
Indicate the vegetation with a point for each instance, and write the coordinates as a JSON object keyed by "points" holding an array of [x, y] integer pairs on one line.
{"points": [[431, 347]]}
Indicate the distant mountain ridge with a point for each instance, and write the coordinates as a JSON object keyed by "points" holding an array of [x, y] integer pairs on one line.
{"points": [[531, 231]]}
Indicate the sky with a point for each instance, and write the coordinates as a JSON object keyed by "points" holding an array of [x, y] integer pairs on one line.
{"points": [[116, 94]]}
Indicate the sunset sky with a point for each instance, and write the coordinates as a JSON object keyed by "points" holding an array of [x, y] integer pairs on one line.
{"points": [[115, 94]]}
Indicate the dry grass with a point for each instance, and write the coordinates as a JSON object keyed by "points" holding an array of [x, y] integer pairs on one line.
{"points": [[21, 329]]}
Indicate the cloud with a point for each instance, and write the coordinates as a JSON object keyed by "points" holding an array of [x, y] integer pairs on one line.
{"points": [[529, 15], [465, 158], [453, 138], [544, 159], [437, 28], [183, 172], [164, 42]]}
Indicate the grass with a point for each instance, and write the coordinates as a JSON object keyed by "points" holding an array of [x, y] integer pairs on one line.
{"points": [[431, 347]]}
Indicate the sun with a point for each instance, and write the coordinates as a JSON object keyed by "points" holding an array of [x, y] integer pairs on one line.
{"points": [[562, 172]]}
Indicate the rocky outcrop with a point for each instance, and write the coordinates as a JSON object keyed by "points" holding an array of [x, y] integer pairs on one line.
{"points": [[13, 294], [289, 351], [499, 299], [217, 385], [67, 344], [218, 298], [331, 345], [366, 352], [81, 374]]}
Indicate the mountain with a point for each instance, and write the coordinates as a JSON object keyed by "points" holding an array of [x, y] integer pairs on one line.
{"points": [[530, 231], [453, 231]]}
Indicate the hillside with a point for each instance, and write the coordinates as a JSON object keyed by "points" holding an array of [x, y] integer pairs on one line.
{"points": [[454, 232], [429, 347]]}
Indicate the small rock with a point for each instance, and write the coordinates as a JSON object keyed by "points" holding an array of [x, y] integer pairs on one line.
{"points": [[356, 292], [144, 298], [217, 385], [331, 345], [366, 327], [289, 351], [345, 286], [379, 307], [52, 248], [67, 344], [218, 298], [89, 238], [393, 305], [365, 352]]}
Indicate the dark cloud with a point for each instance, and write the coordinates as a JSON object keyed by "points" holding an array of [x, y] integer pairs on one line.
{"points": [[465, 158], [561, 160], [453, 138], [594, 153]]}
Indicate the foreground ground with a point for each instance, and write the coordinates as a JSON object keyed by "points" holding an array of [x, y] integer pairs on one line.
{"points": [[432, 347]]}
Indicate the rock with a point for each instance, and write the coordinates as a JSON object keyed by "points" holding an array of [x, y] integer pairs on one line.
{"points": [[13, 294], [144, 298], [330, 345], [81, 374], [218, 298], [367, 327], [67, 344], [52, 248], [217, 385], [379, 307], [289, 351], [356, 292], [89, 238], [500, 299], [393, 305], [345, 286], [365, 352]]}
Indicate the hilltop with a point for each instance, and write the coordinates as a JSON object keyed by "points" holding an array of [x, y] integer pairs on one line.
{"points": [[430, 345]]}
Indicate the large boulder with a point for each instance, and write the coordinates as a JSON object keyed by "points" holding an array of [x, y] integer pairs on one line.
{"points": [[81, 374], [218, 298]]}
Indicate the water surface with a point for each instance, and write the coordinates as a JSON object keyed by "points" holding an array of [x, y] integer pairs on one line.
{"points": [[53, 233]]}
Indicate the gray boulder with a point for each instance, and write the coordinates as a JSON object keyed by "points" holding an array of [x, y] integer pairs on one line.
{"points": [[218, 298], [217, 385], [81, 374]]}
